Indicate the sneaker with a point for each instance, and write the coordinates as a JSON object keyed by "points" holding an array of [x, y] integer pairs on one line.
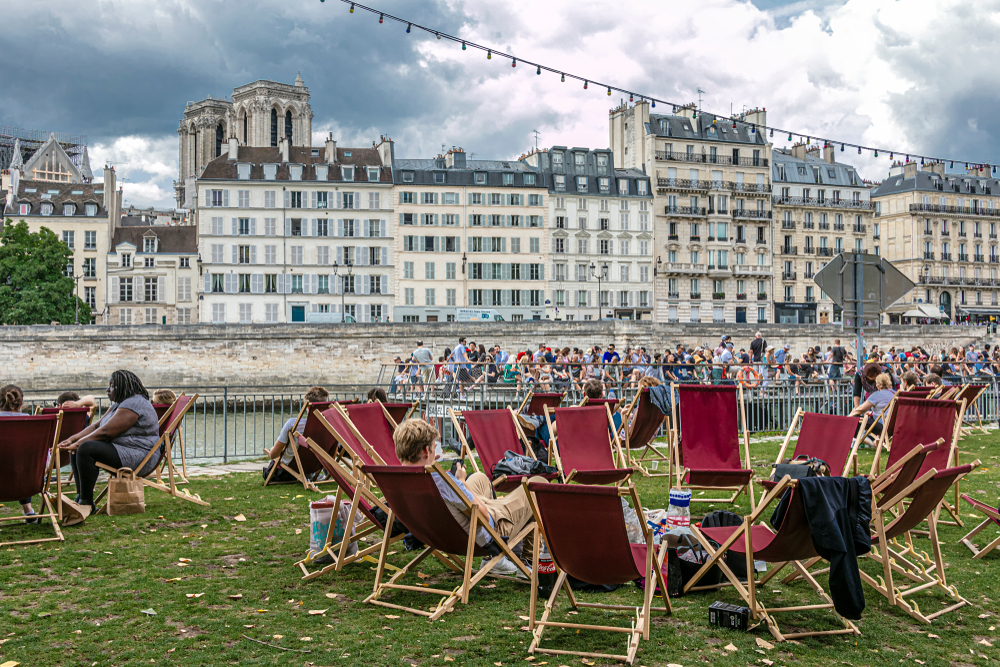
{"points": [[527, 565], [505, 566]]}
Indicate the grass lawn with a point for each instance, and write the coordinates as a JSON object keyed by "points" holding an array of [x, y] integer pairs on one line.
{"points": [[80, 602]]}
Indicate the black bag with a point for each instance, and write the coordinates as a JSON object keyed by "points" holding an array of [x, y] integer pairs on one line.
{"points": [[721, 518], [799, 467], [518, 464]]}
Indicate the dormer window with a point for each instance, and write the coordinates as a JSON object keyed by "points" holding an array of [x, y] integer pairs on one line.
{"points": [[560, 181], [69, 209], [623, 186], [373, 174], [641, 185], [126, 260], [602, 164], [407, 176], [439, 177], [508, 179], [46, 208], [480, 178], [581, 160], [91, 210], [23, 209], [557, 160], [295, 172], [322, 172], [581, 183], [243, 172], [605, 184], [529, 179], [314, 152], [149, 244], [270, 172], [347, 153], [348, 173]]}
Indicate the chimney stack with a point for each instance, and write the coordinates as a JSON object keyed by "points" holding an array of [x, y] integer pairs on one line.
{"points": [[799, 150], [283, 147], [910, 170], [455, 158], [330, 154], [234, 148], [830, 153]]}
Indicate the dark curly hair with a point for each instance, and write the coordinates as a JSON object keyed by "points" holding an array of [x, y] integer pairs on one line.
{"points": [[125, 384]]}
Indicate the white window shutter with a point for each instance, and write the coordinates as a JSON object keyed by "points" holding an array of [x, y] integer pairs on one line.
{"points": [[208, 283], [208, 199], [312, 199], [338, 284], [236, 250], [357, 200], [255, 283], [340, 199], [313, 228], [357, 256], [236, 229], [114, 288], [366, 255], [385, 256], [385, 283], [288, 199], [225, 198], [382, 228], [137, 290], [253, 226], [364, 227], [161, 289], [340, 227], [340, 255], [288, 226], [253, 254]]}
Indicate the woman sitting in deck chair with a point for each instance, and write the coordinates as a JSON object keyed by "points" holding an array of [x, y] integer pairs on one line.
{"points": [[281, 451], [875, 404], [123, 437], [11, 398]]}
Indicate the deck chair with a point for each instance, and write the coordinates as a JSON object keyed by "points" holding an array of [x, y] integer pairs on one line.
{"points": [[832, 438], [494, 433], [610, 402], [971, 393], [601, 555], [163, 451], [374, 425], [992, 519], [74, 420], [363, 502], [791, 544], [27, 449], [641, 422], [340, 427], [585, 445], [302, 464], [399, 412], [705, 448], [919, 421], [536, 402], [916, 392], [414, 499], [927, 492]]}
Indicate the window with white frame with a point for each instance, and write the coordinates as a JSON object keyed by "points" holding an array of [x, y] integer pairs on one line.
{"points": [[295, 255], [246, 313], [125, 316], [218, 313], [243, 197]]}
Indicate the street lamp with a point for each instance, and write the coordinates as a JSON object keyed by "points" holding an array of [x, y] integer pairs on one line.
{"points": [[600, 275], [343, 292], [76, 297]]}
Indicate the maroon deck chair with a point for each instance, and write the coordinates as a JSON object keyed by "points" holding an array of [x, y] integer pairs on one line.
{"points": [[26, 445], [399, 412], [494, 433], [612, 403], [707, 451], [792, 543], [600, 555], [373, 425], [413, 498], [832, 438], [641, 424], [915, 392], [927, 493], [971, 393], [992, 519], [74, 420], [536, 402], [161, 411], [583, 444], [362, 501], [304, 463]]}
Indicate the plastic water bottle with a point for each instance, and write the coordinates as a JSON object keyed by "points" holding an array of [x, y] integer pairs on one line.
{"points": [[679, 512]]}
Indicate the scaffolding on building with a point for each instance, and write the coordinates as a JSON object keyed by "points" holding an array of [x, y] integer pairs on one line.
{"points": [[32, 140]]}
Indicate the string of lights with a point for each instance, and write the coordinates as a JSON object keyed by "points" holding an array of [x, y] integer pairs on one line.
{"points": [[632, 95]]}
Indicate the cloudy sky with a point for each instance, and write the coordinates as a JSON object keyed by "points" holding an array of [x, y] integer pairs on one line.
{"points": [[910, 75]]}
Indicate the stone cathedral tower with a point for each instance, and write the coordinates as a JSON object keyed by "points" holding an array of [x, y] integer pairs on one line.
{"points": [[259, 114]]}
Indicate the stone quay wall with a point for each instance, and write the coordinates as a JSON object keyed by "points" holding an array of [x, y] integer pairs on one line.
{"points": [[63, 357]]}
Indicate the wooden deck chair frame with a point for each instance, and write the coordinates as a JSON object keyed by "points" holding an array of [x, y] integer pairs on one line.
{"points": [[972, 405], [178, 442], [616, 447], [992, 519], [930, 574], [748, 591], [52, 514], [527, 401], [460, 564], [640, 627], [466, 451], [392, 422], [346, 447], [293, 439], [650, 454], [40, 410], [164, 442], [338, 551], [852, 458], [675, 455]]}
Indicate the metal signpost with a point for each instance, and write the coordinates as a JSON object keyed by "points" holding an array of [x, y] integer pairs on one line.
{"points": [[863, 285]]}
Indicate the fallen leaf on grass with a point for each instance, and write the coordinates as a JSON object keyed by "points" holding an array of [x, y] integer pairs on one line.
{"points": [[298, 531], [992, 628], [305, 639], [10, 663], [204, 525], [183, 560], [195, 595], [764, 644], [919, 662], [248, 626], [984, 642], [586, 662], [984, 616], [44, 615], [730, 647], [933, 636], [261, 611], [174, 579], [316, 612], [239, 517], [78, 632], [391, 616], [767, 662], [238, 596], [332, 595], [277, 636], [423, 576], [490, 586], [523, 618], [448, 658], [673, 664], [147, 612]]}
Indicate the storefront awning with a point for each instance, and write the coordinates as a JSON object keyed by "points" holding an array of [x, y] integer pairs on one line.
{"points": [[926, 311], [979, 310]]}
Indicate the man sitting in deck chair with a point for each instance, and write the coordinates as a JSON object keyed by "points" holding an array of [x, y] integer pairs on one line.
{"points": [[281, 450], [509, 515]]}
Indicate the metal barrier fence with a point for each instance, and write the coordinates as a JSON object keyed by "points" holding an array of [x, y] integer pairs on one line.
{"points": [[238, 422]]}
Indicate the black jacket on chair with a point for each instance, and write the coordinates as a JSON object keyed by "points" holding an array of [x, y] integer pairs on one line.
{"points": [[839, 513]]}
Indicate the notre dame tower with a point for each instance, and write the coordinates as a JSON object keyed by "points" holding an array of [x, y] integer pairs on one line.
{"points": [[259, 114]]}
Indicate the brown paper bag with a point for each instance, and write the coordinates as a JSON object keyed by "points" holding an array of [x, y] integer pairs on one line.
{"points": [[125, 494], [72, 512]]}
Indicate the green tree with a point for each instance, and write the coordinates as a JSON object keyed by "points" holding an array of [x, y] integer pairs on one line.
{"points": [[33, 289]]}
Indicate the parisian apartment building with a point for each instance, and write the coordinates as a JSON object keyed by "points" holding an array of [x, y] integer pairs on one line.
{"points": [[821, 208], [940, 230], [600, 238], [712, 216]]}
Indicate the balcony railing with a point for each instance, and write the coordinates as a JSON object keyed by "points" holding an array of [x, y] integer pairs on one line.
{"points": [[861, 204], [752, 188], [876, 237], [928, 255], [945, 232], [928, 231], [762, 296], [695, 296], [962, 257], [824, 252], [824, 226], [751, 214], [788, 250], [809, 250], [808, 275], [682, 183], [808, 225], [684, 210], [860, 229], [788, 224], [673, 295], [676, 267], [718, 296], [789, 298], [710, 159], [946, 256], [962, 234], [977, 235], [958, 210], [741, 296], [788, 275], [838, 226], [810, 299], [761, 241], [751, 270]]}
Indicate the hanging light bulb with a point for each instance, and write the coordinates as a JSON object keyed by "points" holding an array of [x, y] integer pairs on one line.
{"points": [[630, 98], [952, 165], [381, 18], [463, 46], [890, 155], [513, 63], [921, 162], [352, 8], [859, 150], [907, 158], [715, 121], [562, 79], [841, 148], [789, 136], [772, 132], [753, 129], [408, 28], [734, 124], [438, 34], [876, 152], [653, 103], [489, 54], [585, 84], [609, 91]]}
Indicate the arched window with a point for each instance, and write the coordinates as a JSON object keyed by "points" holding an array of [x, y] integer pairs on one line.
{"points": [[288, 126], [246, 128], [219, 138], [274, 127]]}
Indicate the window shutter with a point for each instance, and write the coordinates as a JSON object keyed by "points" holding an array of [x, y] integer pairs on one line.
{"points": [[137, 288], [503, 244], [525, 297], [161, 289], [364, 227], [236, 250], [524, 272], [288, 199], [470, 219], [470, 298], [225, 198], [357, 256], [340, 199], [420, 240], [436, 216], [230, 283], [385, 256], [313, 228], [470, 199], [288, 226], [385, 282], [540, 200], [506, 272], [505, 295], [357, 200], [541, 272], [381, 229], [312, 200], [437, 243], [208, 285], [253, 226], [458, 244], [338, 284], [340, 227], [253, 254], [236, 229], [313, 283], [631, 300], [114, 288], [255, 283], [208, 199], [362, 286], [400, 224]]}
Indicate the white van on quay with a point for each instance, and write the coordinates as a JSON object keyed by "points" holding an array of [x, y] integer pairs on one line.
{"points": [[478, 315], [328, 318]]}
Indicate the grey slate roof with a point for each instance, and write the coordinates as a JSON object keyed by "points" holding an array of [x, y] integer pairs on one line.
{"points": [[421, 172], [58, 194], [799, 171], [925, 181], [222, 168], [703, 128]]}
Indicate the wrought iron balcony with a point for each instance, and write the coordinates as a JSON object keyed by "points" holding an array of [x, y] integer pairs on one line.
{"points": [[963, 257], [685, 210], [751, 188], [673, 295], [860, 229], [762, 296], [788, 275], [788, 224], [695, 296], [861, 204], [824, 252], [707, 158], [682, 183], [741, 296], [751, 214], [810, 299], [718, 296], [838, 226], [957, 210], [946, 256], [788, 250]]}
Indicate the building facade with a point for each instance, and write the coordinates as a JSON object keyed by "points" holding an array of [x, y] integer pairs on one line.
{"points": [[288, 231], [712, 210], [472, 234], [600, 238], [153, 275], [941, 231], [821, 208]]}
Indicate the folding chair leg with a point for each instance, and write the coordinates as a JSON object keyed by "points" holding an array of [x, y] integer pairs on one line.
{"points": [[979, 553]]}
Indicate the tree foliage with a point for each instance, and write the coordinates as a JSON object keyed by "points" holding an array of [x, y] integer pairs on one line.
{"points": [[33, 289]]}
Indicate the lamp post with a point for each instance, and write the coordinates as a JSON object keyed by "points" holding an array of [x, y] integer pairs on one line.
{"points": [[76, 297], [600, 275], [343, 292]]}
